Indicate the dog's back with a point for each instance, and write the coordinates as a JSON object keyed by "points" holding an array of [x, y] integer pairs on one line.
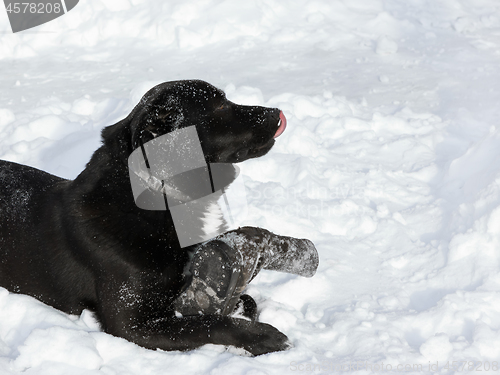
{"points": [[30, 208], [19, 184]]}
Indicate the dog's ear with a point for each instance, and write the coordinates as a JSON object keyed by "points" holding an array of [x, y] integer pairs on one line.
{"points": [[155, 120], [117, 138]]}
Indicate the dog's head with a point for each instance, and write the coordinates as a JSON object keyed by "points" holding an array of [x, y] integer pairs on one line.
{"points": [[228, 132]]}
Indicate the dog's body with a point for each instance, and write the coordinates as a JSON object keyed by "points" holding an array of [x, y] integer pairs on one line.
{"points": [[84, 244]]}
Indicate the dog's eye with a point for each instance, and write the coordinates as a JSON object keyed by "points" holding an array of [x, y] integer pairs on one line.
{"points": [[169, 118], [166, 115]]}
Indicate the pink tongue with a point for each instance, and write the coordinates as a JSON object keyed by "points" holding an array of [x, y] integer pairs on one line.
{"points": [[282, 126]]}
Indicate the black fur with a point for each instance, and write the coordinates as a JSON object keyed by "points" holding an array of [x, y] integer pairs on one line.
{"points": [[84, 244]]}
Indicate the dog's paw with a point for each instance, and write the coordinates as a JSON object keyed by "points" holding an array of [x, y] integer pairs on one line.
{"points": [[246, 308], [264, 339]]}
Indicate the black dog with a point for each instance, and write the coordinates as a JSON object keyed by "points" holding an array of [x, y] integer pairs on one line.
{"points": [[84, 244]]}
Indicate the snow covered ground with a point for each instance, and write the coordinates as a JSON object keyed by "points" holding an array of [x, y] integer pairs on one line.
{"points": [[390, 165]]}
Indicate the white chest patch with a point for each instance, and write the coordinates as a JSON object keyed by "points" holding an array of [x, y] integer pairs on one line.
{"points": [[213, 219]]}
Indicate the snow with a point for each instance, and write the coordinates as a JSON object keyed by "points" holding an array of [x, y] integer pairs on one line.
{"points": [[389, 164]]}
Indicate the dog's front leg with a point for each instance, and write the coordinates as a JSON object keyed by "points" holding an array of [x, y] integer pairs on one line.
{"points": [[191, 332], [139, 309]]}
